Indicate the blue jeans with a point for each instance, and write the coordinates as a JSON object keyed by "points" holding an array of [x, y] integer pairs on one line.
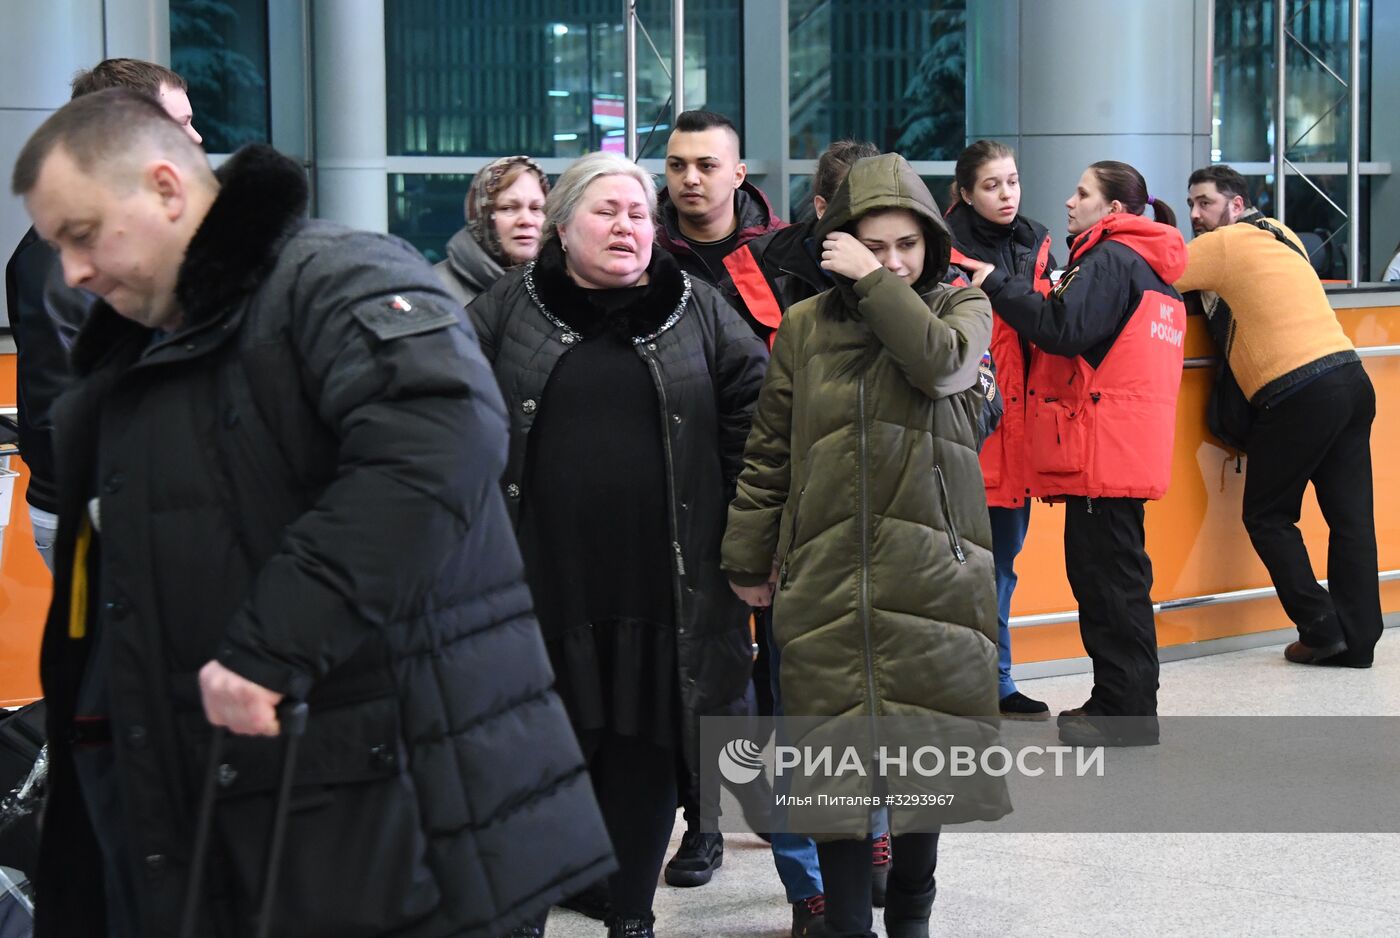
{"points": [[794, 856], [1008, 536], [45, 525]]}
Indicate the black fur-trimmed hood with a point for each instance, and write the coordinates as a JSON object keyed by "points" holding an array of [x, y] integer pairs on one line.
{"points": [[262, 201], [653, 310]]}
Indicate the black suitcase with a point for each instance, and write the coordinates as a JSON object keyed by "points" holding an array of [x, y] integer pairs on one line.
{"points": [[21, 786], [292, 717]]}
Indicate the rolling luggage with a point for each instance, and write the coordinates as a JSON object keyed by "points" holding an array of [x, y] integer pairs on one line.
{"points": [[292, 717]]}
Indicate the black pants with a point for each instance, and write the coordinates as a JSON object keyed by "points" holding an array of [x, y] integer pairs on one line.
{"points": [[1320, 433], [846, 879], [755, 799], [1111, 576], [635, 782]]}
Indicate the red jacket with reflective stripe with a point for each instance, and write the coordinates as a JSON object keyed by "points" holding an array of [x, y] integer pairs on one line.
{"points": [[752, 287], [1103, 426], [1005, 471]]}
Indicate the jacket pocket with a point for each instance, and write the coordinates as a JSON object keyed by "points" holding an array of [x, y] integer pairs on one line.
{"points": [[992, 459], [949, 525], [354, 863], [1059, 437]]}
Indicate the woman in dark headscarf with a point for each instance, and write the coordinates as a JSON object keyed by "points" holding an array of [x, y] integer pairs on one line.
{"points": [[505, 219]]}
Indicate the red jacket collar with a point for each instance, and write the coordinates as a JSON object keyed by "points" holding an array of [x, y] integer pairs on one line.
{"points": [[1162, 246]]}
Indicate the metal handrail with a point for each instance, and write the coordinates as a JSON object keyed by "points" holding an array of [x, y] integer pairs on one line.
{"points": [[1187, 602]]}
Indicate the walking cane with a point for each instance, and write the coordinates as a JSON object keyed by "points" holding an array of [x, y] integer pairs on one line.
{"points": [[292, 717]]}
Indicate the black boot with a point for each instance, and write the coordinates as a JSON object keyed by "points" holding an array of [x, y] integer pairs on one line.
{"points": [[906, 916], [632, 927], [696, 860], [535, 930], [807, 917], [879, 869]]}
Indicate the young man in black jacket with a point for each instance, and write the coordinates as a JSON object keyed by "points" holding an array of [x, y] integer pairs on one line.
{"points": [[46, 313], [709, 208], [783, 267]]}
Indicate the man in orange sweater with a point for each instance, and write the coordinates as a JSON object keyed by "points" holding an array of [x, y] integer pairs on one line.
{"points": [[1312, 405]]}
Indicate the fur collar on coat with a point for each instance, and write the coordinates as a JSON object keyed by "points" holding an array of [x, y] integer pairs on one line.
{"points": [[261, 202], [642, 314]]}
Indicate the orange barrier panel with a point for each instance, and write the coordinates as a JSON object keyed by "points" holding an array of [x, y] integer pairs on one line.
{"points": [[25, 585], [1195, 537]]}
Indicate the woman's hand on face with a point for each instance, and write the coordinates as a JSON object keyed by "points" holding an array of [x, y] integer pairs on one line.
{"points": [[843, 254], [760, 596], [980, 270]]}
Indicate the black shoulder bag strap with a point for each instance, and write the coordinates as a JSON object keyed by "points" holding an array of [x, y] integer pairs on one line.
{"points": [[1229, 414]]}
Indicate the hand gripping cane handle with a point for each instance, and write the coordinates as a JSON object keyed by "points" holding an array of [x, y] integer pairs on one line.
{"points": [[291, 715]]}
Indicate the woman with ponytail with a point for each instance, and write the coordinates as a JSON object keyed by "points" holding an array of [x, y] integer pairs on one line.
{"points": [[1100, 416], [988, 226]]}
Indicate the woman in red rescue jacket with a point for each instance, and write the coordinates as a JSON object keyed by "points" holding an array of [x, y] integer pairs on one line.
{"points": [[1101, 411], [987, 226]]}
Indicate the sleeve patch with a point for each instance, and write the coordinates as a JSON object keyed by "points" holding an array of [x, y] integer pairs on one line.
{"points": [[1064, 281], [396, 317]]}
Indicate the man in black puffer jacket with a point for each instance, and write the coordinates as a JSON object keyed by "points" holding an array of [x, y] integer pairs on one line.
{"points": [[278, 479]]}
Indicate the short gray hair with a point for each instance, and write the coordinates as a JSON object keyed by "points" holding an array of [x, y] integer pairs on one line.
{"points": [[564, 198]]}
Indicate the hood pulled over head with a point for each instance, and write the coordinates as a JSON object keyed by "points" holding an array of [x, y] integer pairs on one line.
{"points": [[884, 182]]}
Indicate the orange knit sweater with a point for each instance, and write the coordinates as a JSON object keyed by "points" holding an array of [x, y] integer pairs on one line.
{"points": [[1283, 320]]}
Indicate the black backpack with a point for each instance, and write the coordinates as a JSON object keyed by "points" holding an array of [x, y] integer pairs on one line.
{"points": [[1229, 414]]}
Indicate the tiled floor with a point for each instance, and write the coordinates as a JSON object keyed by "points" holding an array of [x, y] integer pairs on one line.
{"points": [[1003, 885]]}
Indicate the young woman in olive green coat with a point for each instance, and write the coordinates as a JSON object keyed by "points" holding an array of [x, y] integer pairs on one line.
{"points": [[861, 515]]}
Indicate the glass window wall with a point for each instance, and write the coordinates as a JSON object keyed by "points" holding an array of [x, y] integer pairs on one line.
{"points": [[1316, 112], [1245, 80], [220, 48], [427, 209], [545, 78], [888, 71]]}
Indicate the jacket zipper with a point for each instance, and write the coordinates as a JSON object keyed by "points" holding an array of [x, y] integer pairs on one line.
{"points": [[1051, 400], [792, 539], [954, 541], [670, 480], [864, 497]]}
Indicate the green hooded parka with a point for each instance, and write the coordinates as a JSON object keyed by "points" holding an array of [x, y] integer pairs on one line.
{"points": [[861, 482]]}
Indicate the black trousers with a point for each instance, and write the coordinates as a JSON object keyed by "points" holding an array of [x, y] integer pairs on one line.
{"points": [[1111, 577], [1320, 433], [702, 810], [635, 782], [846, 872]]}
